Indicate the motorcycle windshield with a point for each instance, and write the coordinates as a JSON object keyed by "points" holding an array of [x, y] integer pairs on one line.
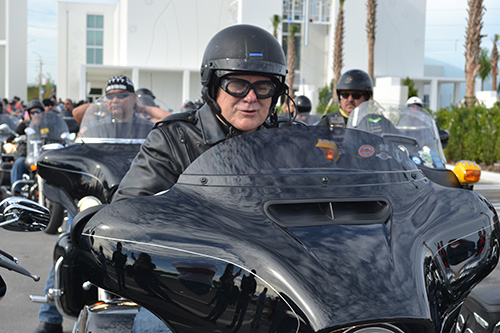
{"points": [[113, 121], [308, 149], [45, 128], [400, 123], [8, 125], [48, 127]]}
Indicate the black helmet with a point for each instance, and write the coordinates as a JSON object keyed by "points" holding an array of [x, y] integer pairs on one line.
{"points": [[355, 79], [243, 49], [303, 104], [35, 104], [144, 91]]}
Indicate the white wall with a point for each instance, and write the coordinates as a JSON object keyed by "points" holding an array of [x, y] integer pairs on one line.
{"points": [[72, 44], [13, 48]]}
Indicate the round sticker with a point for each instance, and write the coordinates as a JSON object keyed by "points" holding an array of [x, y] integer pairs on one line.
{"points": [[416, 160], [366, 151]]}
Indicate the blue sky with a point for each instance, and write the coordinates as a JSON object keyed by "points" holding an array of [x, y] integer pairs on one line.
{"points": [[444, 42], [446, 22]]}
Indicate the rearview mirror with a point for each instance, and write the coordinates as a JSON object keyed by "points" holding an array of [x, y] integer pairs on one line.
{"points": [[21, 214]]}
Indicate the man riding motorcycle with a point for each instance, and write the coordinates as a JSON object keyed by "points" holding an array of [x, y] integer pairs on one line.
{"points": [[241, 90]]}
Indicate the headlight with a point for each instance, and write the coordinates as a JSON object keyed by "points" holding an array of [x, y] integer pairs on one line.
{"points": [[87, 202], [9, 148]]}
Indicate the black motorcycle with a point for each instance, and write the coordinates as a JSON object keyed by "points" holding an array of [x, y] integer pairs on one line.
{"points": [[338, 229], [46, 131], [88, 172]]}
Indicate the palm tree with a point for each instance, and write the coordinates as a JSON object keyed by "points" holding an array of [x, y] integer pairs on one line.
{"points": [[371, 18], [291, 57], [338, 51], [275, 20], [494, 63], [472, 47], [484, 65]]}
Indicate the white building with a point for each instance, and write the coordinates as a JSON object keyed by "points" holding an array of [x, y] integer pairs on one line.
{"points": [[13, 36], [160, 44]]}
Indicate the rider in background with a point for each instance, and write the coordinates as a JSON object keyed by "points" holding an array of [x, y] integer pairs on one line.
{"points": [[18, 168], [120, 90], [353, 88], [415, 103], [304, 107]]}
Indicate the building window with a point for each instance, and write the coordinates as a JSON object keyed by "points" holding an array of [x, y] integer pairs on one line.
{"points": [[294, 11], [95, 33]]}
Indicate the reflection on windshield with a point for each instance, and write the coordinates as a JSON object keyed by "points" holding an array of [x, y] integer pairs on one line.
{"points": [[106, 122], [305, 149]]}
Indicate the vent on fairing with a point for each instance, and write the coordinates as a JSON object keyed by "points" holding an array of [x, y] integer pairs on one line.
{"points": [[307, 213]]}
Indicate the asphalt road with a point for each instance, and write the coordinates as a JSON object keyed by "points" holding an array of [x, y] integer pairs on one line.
{"points": [[34, 251]]}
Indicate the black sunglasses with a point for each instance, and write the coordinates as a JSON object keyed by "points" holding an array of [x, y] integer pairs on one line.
{"points": [[240, 87], [120, 95], [346, 95], [36, 111]]}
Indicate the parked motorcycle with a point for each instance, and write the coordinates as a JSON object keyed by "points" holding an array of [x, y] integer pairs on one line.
{"points": [[20, 214], [338, 228]]}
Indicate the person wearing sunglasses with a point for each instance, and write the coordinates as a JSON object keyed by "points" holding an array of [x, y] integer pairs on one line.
{"points": [[33, 108], [122, 103], [353, 88], [243, 73]]}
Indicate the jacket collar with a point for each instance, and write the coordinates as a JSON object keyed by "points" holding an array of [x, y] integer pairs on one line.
{"points": [[211, 128]]}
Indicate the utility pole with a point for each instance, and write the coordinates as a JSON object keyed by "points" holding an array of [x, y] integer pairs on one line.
{"points": [[41, 89]]}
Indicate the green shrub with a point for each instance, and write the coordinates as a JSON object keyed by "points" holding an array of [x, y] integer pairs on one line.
{"points": [[474, 133]]}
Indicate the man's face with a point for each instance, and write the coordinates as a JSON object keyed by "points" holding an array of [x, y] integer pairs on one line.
{"points": [[248, 112], [350, 99], [33, 112], [121, 104], [68, 105]]}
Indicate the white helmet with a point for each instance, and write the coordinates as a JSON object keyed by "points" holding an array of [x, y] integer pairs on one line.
{"points": [[414, 100]]}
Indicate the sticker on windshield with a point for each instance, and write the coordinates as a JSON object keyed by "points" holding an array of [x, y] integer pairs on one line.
{"points": [[416, 160], [426, 157], [384, 156], [366, 151], [398, 154], [329, 148], [44, 130], [384, 147], [437, 160]]}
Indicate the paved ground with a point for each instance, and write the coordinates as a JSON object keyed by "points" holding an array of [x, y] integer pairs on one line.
{"points": [[34, 251]]}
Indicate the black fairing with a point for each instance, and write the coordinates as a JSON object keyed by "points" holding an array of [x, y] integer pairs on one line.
{"points": [[340, 227], [87, 169]]}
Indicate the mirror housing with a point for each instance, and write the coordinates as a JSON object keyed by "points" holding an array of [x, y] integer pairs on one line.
{"points": [[21, 214]]}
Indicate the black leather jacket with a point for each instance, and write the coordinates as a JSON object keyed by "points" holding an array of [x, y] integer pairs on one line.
{"points": [[169, 149], [334, 119]]}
